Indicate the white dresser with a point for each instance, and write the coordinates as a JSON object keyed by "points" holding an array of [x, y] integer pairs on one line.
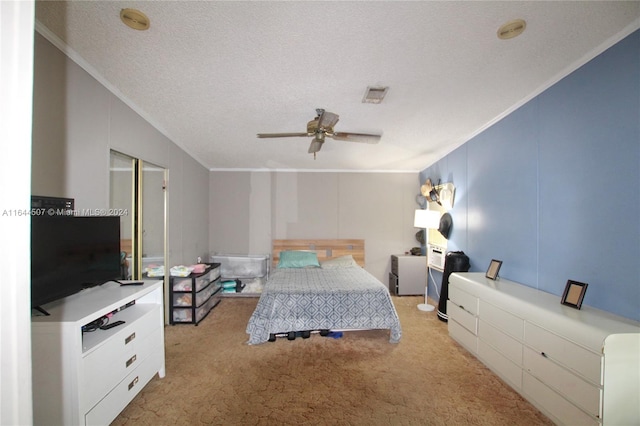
{"points": [[89, 377], [579, 367]]}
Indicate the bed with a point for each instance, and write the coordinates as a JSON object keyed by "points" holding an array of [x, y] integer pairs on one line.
{"points": [[332, 292]]}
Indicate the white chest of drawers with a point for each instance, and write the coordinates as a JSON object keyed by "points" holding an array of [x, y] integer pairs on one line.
{"points": [[89, 377], [576, 366]]}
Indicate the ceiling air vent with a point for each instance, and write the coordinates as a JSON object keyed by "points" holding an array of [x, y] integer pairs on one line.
{"points": [[374, 95]]}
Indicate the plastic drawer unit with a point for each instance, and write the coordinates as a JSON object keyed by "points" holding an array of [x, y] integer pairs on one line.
{"points": [[193, 297]]}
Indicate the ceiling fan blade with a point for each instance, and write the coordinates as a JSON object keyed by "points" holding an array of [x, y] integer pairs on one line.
{"points": [[327, 120], [355, 137], [283, 135], [316, 145]]}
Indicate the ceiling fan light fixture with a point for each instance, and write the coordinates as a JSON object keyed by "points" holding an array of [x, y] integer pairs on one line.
{"points": [[512, 29], [135, 19], [321, 128], [326, 120], [374, 94]]}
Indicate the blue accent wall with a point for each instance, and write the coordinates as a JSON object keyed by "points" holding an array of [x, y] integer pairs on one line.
{"points": [[553, 189]]}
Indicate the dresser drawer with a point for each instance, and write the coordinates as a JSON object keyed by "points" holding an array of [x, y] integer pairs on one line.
{"points": [[501, 319], [509, 347], [504, 367], [105, 366], [187, 283], [143, 349], [117, 399], [186, 299], [462, 317], [583, 394], [463, 336], [570, 355], [181, 314], [463, 299], [554, 405]]}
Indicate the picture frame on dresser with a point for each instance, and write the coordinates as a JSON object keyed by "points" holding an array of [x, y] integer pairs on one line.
{"points": [[494, 268], [574, 294]]}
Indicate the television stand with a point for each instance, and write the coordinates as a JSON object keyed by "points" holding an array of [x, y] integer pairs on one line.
{"points": [[89, 377]]}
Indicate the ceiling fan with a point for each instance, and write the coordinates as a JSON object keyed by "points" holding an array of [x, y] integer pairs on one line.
{"points": [[321, 127]]}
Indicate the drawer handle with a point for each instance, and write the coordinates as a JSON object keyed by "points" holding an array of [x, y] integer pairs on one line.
{"points": [[543, 354], [461, 307], [133, 383], [131, 361], [130, 338]]}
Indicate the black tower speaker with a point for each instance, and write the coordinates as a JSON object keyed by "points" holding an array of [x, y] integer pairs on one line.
{"points": [[455, 261]]}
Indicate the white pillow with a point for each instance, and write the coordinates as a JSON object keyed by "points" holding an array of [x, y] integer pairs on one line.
{"points": [[345, 261]]}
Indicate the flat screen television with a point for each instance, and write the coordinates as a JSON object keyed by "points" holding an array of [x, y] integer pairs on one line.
{"points": [[70, 253]]}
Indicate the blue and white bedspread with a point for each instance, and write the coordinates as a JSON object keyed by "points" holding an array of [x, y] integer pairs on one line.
{"points": [[322, 299]]}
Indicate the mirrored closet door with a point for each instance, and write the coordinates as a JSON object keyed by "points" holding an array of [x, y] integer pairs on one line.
{"points": [[138, 188]]}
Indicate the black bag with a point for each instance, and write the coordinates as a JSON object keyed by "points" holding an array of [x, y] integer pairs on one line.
{"points": [[455, 261]]}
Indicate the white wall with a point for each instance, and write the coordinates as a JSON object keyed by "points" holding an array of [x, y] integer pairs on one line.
{"points": [[77, 121], [188, 207], [249, 209], [16, 71]]}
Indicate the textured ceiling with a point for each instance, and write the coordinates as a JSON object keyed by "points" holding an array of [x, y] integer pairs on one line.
{"points": [[212, 74]]}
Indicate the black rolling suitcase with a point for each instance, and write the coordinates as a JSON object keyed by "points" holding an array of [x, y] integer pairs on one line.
{"points": [[455, 261]]}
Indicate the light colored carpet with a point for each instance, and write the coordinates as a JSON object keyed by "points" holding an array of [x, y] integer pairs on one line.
{"points": [[214, 378]]}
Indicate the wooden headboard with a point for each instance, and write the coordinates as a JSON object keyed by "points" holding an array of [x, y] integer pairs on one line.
{"points": [[325, 249], [126, 246]]}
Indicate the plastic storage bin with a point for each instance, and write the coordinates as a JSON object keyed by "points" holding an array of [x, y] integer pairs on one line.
{"points": [[242, 266]]}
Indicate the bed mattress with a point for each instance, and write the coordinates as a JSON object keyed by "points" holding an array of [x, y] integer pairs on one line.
{"points": [[300, 299]]}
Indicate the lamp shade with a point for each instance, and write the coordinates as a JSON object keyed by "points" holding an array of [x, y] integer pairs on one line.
{"points": [[427, 219]]}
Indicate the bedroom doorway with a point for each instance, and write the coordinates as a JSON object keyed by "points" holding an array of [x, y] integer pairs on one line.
{"points": [[138, 190]]}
